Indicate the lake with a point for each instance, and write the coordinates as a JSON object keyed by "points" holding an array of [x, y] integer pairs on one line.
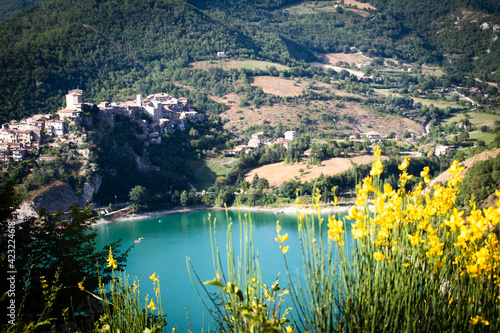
{"points": [[168, 240]]}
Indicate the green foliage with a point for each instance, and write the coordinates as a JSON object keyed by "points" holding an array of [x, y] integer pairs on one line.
{"points": [[56, 252], [141, 198], [460, 36], [58, 45], [184, 198], [481, 180], [9, 201], [123, 309]]}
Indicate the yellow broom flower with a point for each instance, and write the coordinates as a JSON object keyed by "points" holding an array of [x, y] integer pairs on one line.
{"points": [[378, 256], [152, 305]]}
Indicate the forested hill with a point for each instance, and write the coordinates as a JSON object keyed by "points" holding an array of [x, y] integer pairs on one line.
{"points": [[101, 47], [118, 48], [463, 34]]}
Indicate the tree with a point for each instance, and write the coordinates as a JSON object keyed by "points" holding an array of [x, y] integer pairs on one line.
{"points": [[496, 141], [55, 252], [463, 136], [193, 132], [262, 183], [255, 180], [224, 197], [391, 135], [220, 183], [140, 195], [244, 185], [9, 201], [184, 198]]}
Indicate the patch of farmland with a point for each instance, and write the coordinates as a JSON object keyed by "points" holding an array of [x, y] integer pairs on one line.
{"points": [[361, 5], [227, 64], [338, 69], [277, 173], [277, 86], [351, 58], [310, 7], [350, 118], [476, 118]]}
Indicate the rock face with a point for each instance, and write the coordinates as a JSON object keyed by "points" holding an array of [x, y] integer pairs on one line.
{"points": [[90, 188], [59, 196]]}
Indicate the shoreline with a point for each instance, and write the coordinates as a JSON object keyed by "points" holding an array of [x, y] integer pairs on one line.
{"points": [[277, 210]]}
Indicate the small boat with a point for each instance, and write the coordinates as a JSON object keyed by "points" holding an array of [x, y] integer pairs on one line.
{"points": [[138, 240], [279, 212], [160, 221]]}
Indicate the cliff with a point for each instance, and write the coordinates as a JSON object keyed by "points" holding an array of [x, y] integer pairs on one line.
{"points": [[59, 196]]}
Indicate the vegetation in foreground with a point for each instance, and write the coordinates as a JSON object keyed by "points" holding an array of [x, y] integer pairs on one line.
{"points": [[414, 263]]}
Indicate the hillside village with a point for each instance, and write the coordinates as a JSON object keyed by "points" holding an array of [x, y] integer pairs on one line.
{"points": [[22, 139]]}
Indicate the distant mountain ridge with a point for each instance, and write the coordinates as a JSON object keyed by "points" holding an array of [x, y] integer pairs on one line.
{"points": [[62, 44]]}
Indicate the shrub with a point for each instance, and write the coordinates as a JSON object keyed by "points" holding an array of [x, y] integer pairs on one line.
{"points": [[415, 262], [122, 305]]}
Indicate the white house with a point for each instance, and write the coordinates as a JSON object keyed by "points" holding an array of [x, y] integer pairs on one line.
{"points": [[74, 99], [55, 127], [290, 135], [283, 142], [441, 150], [373, 135], [255, 143], [258, 135]]}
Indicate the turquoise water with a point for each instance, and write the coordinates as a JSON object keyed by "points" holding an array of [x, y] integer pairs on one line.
{"points": [[167, 242]]}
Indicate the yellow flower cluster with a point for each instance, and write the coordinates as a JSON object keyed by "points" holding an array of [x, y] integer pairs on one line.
{"points": [[378, 256], [111, 261], [377, 167], [478, 319], [480, 251], [425, 222], [335, 231], [281, 238], [156, 283], [151, 305]]}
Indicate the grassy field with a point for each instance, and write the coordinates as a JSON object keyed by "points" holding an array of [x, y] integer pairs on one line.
{"points": [[236, 64], [486, 137], [257, 64], [437, 71], [277, 86], [339, 69], [278, 173], [423, 101], [206, 171], [310, 7], [476, 118]]}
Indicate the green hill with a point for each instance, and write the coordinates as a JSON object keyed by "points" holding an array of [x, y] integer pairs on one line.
{"points": [[463, 34], [116, 49], [101, 47]]}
